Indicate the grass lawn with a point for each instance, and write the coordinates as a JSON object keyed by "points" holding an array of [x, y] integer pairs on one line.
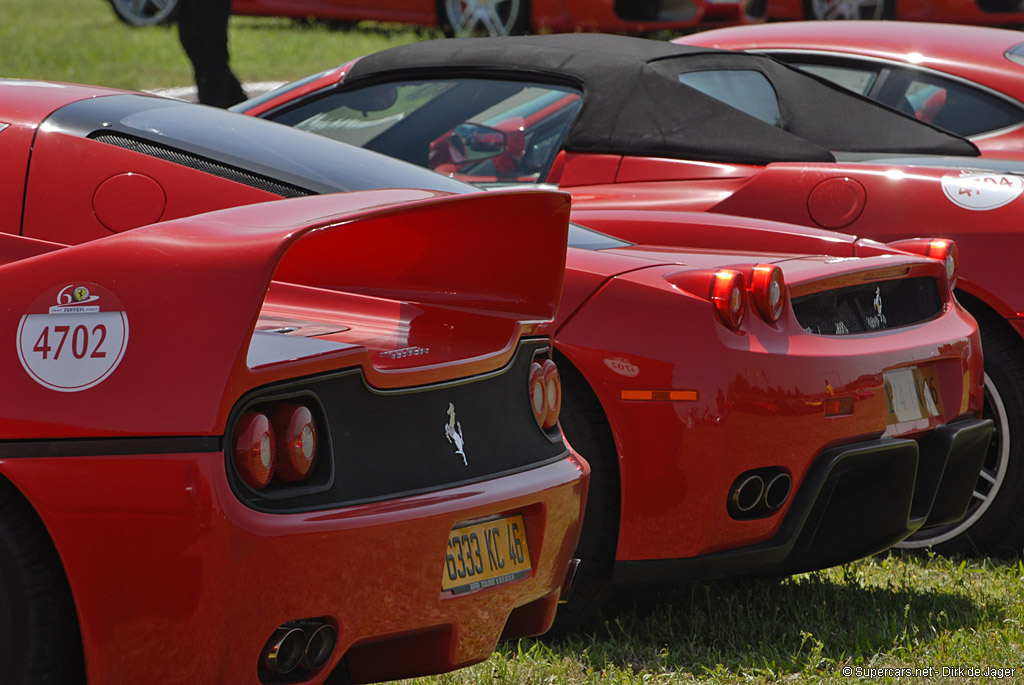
{"points": [[915, 612], [83, 41]]}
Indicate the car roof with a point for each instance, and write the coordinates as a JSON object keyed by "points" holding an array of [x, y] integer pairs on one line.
{"points": [[634, 103]]}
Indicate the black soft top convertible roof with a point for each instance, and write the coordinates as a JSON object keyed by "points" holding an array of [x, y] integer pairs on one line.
{"points": [[634, 103]]}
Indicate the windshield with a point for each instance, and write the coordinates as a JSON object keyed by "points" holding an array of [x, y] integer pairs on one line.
{"points": [[471, 129]]}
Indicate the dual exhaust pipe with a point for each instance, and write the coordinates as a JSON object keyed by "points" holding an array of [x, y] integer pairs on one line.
{"points": [[759, 493], [298, 648]]}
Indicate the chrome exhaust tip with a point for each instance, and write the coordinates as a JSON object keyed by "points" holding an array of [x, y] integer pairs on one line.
{"points": [[570, 577], [776, 492], [284, 650], [319, 647], [746, 494]]}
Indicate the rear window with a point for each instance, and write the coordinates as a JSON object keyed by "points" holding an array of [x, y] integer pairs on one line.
{"points": [[746, 90]]}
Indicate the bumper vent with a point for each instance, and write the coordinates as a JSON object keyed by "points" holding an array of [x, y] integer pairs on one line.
{"points": [[200, 164], [869, 307]]}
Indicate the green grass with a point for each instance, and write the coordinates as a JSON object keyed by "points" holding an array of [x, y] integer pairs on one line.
{"points": [[900, 611], [82, 41]]}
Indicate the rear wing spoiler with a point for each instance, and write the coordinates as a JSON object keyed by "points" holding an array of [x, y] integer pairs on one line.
{"points": [[154, 325]]}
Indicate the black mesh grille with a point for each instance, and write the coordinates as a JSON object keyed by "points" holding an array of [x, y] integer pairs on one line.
{"points": [[200, 164], [868, 307]]}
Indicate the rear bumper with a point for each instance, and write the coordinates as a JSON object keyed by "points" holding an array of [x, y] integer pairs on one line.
{"points": [[855, 501], [172, 574]]}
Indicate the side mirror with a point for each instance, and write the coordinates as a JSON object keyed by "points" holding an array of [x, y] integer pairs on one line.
{"points": [[474, 142]]}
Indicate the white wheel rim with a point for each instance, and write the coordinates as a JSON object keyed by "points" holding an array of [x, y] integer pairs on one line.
{"points": [[494, 17], [991, 480], [847, 9], [143, 12]]}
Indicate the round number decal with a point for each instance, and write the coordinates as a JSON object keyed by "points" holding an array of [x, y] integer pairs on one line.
{"points": [[73, 338], [980, 191]]}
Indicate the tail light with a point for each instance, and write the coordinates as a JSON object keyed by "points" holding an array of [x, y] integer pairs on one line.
{"points": [[255, 449], [943, 249], [279, 439], [545, 393], [768, 291], [552, 393], [296, 441], [727, 294]]}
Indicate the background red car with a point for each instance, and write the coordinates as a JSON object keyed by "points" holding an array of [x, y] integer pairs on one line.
{"points": [[650, 125], [288, 442], [965, 79], [494, 17], [994, 12]]}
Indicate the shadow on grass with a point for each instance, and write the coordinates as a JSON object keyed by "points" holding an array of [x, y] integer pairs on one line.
{"points": [[783, 626]]}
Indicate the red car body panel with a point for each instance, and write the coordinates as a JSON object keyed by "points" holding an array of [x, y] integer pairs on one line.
{"points": [[951, 11], [545, 15], [974, 54], [174, 565]]}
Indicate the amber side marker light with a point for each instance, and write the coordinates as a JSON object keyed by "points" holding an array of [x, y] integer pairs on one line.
{"points": [[838, 406], [659, 395]]}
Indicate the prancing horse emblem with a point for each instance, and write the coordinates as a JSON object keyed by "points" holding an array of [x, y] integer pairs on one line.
{"points": [[453, 431], [878, 306]]}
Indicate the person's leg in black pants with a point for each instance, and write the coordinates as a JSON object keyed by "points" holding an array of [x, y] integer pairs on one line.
{"points": [[203, 31]]}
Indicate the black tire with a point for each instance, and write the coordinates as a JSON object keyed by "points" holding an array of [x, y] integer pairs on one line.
{"points": [[994, 523], [502, 18], [39, 640], [827, 10], [145, 12], [586, 429]]}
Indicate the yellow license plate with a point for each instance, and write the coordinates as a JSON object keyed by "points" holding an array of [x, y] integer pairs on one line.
{"points": [[486, 554], [912, 393]]}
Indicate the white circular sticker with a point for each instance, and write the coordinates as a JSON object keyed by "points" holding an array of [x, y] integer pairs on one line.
{"points": [[73, 339], [980, 191]]}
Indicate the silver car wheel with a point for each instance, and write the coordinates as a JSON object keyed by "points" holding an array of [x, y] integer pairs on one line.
{"points": [[846, 9], [144, 12], [494, 17]]}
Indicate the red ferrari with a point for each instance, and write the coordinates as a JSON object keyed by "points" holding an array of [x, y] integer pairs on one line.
{"points": [[965, 79], [293, 441], [627, 123], [992, 12], [493, 17]]}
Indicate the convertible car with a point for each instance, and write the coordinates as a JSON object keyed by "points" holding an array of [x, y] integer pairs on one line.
{"points": [[493, 17], [292, 441], [708, 387], [965, 79], [628, 123]]}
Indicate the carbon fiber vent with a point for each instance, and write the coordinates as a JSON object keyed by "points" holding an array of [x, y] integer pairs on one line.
{"points": [[868, 307], [200, 164]]}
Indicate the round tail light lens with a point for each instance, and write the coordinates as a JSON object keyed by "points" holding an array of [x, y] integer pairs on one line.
{"points": [[727, 294], [552, 394], [538, 397], [768, 290], [255, 449], [296, 434]]}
